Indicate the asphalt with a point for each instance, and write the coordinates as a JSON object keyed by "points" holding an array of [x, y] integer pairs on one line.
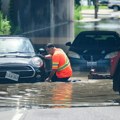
{"points": [[83, 113]]}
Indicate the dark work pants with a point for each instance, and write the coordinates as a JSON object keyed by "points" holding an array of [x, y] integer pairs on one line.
{"points": [[56, 79]]}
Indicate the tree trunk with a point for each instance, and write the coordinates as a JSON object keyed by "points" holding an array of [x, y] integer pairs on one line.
{"points": [[96, 7], [89, 2]]}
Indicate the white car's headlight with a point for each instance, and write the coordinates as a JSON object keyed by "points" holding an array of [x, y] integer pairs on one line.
{"points": [[73, 54], [36, 61], [111, 55]]}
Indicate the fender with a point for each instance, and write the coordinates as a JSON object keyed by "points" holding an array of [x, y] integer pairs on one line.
{"points": [[114, 63]]}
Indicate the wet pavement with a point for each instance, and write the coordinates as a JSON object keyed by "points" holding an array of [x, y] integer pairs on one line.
{"points": [[76, 93], [81, 93], [82, 98], [84, 113]]}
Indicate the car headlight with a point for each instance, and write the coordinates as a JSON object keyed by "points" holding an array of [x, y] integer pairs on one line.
{"points": [[73, 54], [36, 61], [111, 55]]}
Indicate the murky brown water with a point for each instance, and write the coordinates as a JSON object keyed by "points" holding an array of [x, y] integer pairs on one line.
{"points": [[82, 93], [58, 94]]}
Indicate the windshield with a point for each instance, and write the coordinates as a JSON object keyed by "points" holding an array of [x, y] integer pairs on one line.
{"points": [[96, 41], [15, 45]]}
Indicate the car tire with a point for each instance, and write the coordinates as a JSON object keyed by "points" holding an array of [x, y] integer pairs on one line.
{"points": [[116, 79], [116, 8]]}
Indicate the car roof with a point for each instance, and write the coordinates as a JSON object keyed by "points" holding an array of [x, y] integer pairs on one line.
{"points": [[98, 33]]}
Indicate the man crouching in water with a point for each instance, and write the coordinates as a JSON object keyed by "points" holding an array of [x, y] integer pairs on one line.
{"points": [[61, 68]]}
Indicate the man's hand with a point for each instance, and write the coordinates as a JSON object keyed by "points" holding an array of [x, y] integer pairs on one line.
{"points": [[50, 76], [49, 57], [48, 80]]}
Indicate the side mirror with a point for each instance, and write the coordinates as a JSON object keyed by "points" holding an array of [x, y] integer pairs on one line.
{"points": [[68, 44]]}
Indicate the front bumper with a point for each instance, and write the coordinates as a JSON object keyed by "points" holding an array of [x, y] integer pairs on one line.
{"points": [[83, 65], [25, 74]]}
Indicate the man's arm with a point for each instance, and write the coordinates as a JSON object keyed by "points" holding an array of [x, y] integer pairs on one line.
{"points": [[50, 76], [48, 56], [55, 62]]}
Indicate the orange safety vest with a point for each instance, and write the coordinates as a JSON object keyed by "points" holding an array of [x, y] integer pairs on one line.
{"points": [[60, 62]]}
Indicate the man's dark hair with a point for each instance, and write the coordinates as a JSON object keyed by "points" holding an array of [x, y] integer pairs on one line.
{"points": [[50, 45]]}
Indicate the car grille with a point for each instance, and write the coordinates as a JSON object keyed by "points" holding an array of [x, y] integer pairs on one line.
{"points": [[24, 71]]}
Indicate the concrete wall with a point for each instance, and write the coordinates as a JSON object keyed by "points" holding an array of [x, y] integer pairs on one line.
{"points": [[41, 14], [5, 6], [45, 20], [63, 10]]}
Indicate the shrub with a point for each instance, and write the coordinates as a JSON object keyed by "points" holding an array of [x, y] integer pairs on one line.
{"points": [[77, 15], [4, 25]]}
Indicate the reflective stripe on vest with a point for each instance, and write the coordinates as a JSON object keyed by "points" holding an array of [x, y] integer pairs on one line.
{"points": [[64, 66]]}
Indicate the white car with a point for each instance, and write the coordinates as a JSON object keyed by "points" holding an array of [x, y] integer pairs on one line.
{"points": [[103, 2], [114, 4]]}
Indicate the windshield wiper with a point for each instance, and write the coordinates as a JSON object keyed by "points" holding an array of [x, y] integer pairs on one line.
{"points": [[20, 56]]}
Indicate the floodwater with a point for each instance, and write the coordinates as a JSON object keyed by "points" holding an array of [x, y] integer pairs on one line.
{"points": [[56, 95], [66, 32]]}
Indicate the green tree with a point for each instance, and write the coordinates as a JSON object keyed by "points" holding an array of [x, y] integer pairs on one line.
{"points": [[77, 15]]}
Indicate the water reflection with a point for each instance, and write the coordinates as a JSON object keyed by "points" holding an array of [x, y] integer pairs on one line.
{"points": [[106, 24], [57, 95], [37, 94], [62, 94], [62, 33]]}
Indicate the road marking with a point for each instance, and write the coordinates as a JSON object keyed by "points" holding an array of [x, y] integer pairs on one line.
{"points": [[17, 116]]}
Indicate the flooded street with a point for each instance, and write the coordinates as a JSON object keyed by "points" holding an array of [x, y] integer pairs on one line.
{"points": [[53, 95], [26, 90], [56, 95]]}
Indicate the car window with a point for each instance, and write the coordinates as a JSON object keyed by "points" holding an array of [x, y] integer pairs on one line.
{"points": [[15, 45], [93, 41]]}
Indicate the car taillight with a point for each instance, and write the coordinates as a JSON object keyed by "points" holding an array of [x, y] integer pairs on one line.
{"points": [[111, 55]]}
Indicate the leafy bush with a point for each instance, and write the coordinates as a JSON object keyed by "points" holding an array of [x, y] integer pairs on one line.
{"points": [[77, 15], [4, 25]]}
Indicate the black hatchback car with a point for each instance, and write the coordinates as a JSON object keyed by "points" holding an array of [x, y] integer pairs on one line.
{"points": [[19, 62], [94, 50]]}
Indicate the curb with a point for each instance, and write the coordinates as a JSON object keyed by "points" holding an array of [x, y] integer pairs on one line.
{"points": [[88, 15]]}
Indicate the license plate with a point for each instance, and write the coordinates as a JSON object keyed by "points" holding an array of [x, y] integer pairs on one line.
{"points": [[91, 63], [12, 76]]}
